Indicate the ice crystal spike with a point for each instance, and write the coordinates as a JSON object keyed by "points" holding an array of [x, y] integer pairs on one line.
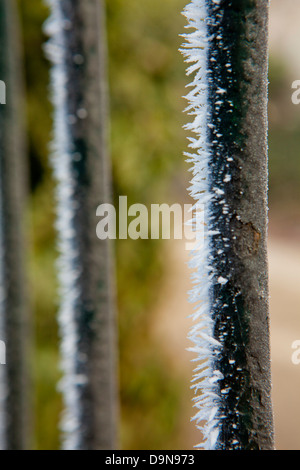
{"points": [[81, 168], [226, 52]]}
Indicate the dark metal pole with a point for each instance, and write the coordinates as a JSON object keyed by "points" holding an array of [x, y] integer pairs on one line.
{"points": [[234, 53], [13, 303], [87, 316]]}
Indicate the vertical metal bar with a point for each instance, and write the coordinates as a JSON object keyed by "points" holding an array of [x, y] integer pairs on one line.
{"points": [[235, 135], [87, 316], [13, 302]]}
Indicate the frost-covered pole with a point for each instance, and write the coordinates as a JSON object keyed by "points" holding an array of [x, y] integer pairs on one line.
{"points": [[87, 317], [227, 50], [13, 305]]}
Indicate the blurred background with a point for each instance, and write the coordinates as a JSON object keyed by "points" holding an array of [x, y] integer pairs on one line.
{"points": [[147, 80]]}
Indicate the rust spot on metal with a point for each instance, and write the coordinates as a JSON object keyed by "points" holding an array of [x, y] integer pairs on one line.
{"points": [[246, 238]]}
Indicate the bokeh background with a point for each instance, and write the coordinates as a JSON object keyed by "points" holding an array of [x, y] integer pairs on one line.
{"points": [[147, 80]]}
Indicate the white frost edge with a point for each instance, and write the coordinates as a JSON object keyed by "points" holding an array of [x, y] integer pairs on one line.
{"points": [[67, 271], [205, 379]]}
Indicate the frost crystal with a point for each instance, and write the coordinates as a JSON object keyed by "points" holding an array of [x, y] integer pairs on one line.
{"points": [[206, 378], [68, 272]]}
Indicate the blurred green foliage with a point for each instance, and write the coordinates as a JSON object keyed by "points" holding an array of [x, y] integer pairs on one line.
{"points": [[284, 141], [146, 78]]}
